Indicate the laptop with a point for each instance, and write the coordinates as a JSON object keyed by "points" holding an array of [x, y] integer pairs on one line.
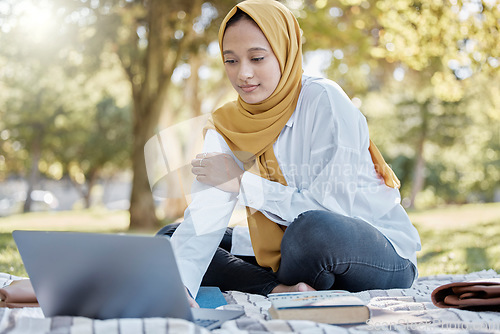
{"points": [[105, 276]]}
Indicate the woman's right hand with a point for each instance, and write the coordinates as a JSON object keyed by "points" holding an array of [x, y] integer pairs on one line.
{"points": [[191, 300], [219, 170]]}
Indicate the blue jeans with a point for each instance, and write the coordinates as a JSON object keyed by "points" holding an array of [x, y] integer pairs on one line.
{"points": [[323, 249]]}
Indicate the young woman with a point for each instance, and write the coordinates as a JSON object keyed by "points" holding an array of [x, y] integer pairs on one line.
{"points": [[323, 208]]}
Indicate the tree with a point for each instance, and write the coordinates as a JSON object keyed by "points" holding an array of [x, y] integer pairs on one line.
{"points": [[49, 103], [99, 149], [423, 57], [445, 44], [151, 39]]}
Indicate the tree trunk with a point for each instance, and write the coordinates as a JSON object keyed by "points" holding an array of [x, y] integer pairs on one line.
{"points": [[36, 152], [193, 85], [149, 91], [419, 171], [176, 204], [142, 207], [87, 195]]}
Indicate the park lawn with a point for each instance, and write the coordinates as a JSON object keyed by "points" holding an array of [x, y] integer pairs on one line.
{"points": [[459, 239], [455, 240], [101, 221]]}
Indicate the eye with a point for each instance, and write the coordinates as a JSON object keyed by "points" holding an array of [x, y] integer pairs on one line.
{"points": [[257, 58], [229, 61]]}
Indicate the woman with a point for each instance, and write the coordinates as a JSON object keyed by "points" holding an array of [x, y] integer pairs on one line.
{"points": [[322, 206]]}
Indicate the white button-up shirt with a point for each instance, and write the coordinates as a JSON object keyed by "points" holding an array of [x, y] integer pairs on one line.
{"points": [[323, 154]]}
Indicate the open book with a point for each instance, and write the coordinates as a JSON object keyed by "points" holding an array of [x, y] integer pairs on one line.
{"points": [[331, 307]]}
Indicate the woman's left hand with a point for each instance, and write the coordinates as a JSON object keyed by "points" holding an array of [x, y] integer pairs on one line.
{"points": [[218, 170]]}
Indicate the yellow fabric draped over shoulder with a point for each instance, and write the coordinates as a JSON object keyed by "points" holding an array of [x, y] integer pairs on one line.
{"points": [[250, 130], [382, 168]]}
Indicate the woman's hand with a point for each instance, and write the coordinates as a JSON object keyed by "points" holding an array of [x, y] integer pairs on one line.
{"points": [[218, 170], [191, 300]]}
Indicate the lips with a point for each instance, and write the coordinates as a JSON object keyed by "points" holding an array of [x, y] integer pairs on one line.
{"points": [[248, 88]]}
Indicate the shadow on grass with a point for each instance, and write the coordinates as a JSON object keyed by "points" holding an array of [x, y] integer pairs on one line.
{"points": [[477, 258], [429, 256], [459, 250]]}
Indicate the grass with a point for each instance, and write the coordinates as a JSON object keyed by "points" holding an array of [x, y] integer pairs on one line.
{"points": [[459, 239], [455, 239], [80, 221]]}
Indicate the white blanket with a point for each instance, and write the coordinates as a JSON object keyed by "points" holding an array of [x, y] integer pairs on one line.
{"points": [[395, 310]]}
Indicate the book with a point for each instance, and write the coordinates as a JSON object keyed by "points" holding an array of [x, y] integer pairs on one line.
{"points": [[331, 307], [210, 297]]}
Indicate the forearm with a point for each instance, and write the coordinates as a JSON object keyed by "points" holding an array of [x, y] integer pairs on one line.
{"points": [[198, 236]]}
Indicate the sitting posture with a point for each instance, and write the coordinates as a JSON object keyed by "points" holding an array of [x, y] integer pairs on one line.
{"points": [[323, 207]]}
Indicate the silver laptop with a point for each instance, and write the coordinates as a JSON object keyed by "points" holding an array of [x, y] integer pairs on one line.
{"points": [[105, 276]]}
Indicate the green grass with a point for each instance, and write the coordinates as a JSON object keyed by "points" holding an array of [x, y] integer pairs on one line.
{"points": [[463, 250], [459, 239], [455, 240], [10, 261], [77, 220], [80, 220]]}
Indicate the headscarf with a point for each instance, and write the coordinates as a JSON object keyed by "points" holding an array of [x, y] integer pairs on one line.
{"points": [[250, 130]]}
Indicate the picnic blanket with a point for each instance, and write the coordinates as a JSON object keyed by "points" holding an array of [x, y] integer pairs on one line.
{"points": [[393, 311]]}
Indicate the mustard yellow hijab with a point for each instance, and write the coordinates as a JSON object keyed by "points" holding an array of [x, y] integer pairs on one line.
{"points": [[250, 130]]}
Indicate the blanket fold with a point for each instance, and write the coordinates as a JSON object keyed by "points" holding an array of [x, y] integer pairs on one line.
{"points": [[18, 294], [474, 296]]}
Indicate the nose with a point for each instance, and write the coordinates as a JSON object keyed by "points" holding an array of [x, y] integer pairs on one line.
{"points": [[245, 72]]}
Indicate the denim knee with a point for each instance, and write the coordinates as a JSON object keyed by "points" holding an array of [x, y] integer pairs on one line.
{"points": [[313, 232], [167, 230], [306, 249], [329, 250], [226, 242]]}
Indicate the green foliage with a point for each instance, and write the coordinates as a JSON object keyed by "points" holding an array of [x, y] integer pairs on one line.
{"points": [[59, 115], [425, 74]]}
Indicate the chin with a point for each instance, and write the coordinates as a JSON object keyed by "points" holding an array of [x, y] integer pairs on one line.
{"points": [[252, 99]]}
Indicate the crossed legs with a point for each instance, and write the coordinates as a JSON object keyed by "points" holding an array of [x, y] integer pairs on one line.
{"points": [[320, 250]]}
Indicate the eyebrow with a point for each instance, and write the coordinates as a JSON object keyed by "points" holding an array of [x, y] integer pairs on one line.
{"points": [[251, 49]]}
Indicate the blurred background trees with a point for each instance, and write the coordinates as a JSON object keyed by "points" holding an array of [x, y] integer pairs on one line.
{"points": [[85, 83]]}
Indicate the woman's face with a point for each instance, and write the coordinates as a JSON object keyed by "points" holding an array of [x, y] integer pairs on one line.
{"points": [[250, 63]]}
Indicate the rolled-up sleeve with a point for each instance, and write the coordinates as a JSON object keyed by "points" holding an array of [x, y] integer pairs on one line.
{"points": [[205, 220]]}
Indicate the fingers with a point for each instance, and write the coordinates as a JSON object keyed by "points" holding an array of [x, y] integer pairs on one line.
{"points": [[198, 160], [197, 171], [217, 169], [197, 163], [193, 303], [208, 155], [201, 159], [191, 300]]}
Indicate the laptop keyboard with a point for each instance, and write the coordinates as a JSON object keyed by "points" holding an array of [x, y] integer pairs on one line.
{"points": [[204, 322]]}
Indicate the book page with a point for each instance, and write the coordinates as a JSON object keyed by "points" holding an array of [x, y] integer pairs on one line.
{"points": [[315, 299]]}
